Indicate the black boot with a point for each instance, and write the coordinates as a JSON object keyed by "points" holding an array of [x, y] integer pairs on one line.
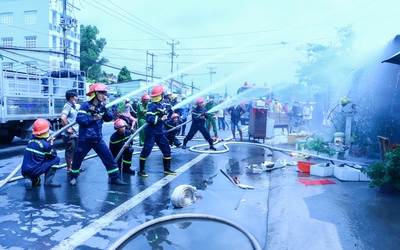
{"points": [[48, 178], [117, 181], [167, 167], [126, 169], [142, 173], [184, 143], [211, 142]]}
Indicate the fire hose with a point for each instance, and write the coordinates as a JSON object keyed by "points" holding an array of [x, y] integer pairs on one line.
{"points": [[183, 196], [182, 217]]}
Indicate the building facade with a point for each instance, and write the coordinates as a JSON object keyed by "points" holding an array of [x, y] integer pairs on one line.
{"points": [[39, 36]]}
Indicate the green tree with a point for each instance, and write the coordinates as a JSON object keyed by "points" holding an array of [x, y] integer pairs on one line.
{"points": [[91, 48], [325, 66], [124, 75]]}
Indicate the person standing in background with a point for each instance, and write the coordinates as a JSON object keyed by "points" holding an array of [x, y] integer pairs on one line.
{"points": [[141, 114], [70, 135], [307, 114]]}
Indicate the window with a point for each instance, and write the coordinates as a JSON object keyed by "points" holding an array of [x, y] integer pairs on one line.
{"points": [[30, 41], [7, 66], [7, 41], [30, 68], [75, 48], [6, 18], [30, 17], [54, 42], [54, 17], [54, 64]]}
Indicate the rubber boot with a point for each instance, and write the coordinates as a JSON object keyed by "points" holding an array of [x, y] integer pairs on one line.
{"points": [[212, 145], [184, 143], [126, 169], [117, 181], [48, 178], [28, 183], [142, 173], [167, 167], [241, 137]]}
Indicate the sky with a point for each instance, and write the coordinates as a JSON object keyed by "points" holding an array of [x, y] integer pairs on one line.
{"points": [[250, 41]]}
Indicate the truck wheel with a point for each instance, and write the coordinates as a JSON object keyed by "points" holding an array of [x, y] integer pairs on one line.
{"points": [[5, 139]]}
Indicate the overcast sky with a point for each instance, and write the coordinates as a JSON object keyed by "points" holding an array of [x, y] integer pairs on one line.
{"points": [[251, 40]]}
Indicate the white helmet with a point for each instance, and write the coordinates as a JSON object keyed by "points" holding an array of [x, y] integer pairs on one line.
{"points": [[127, 100]]}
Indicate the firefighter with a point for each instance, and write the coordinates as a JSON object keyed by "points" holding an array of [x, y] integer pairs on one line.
{"points": [[90, 119], [40, 157], [155, 118], [141, 114], [168, 103], [174, 124], [212, 117], [117, 141], [199, 116]]}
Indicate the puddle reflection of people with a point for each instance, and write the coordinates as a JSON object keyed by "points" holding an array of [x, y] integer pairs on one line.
{"points": [[155, 237]]}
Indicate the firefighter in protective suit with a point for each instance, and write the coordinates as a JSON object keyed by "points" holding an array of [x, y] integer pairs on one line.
{"points": [[118, 141], [40, 157], [155, 117], [90, 118], [199, 116]]}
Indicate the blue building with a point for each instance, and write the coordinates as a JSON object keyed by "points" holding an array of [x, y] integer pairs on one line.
{"points": [[32, 35]]}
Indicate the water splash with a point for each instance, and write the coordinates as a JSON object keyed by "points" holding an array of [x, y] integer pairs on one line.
{"points": [[247, 95]]}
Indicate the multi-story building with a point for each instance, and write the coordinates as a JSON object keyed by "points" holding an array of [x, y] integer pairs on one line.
{"points": [[39, 36]]}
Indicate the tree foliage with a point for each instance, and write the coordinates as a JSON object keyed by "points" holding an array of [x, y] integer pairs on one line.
{"points": [[324, 64], [124, 75], [91, 48]]}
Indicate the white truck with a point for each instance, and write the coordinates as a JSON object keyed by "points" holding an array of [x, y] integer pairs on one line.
{"points": [[24, 97]]}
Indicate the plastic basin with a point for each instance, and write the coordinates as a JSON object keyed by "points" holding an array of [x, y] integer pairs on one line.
{"points": [[304, 166]]}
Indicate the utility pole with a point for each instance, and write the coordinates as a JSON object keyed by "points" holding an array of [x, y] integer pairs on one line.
{"points": [[211, 73], [151, 67], [172, 61], [226, 87], [66, 26]]}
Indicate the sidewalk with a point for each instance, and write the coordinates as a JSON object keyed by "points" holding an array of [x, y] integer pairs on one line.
{"points": [[344, 215]]}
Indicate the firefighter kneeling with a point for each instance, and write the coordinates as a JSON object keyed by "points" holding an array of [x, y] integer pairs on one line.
{"points": [[40, 157], [118, 141], [155, 118]]}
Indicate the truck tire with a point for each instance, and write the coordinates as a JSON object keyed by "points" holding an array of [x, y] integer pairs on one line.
{"points": [[5, 139]]}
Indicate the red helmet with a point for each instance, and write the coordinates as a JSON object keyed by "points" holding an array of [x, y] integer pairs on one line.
{"points": [[40, 126], [145, 96], [97, 87], [174, 115], [119, 123], [157, 90], [199, 100]]}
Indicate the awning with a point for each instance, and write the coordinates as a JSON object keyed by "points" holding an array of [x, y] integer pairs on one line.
{"points": [[395, 59]]}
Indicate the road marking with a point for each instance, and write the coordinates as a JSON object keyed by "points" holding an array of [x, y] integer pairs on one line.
{"points": [[87, 232]]}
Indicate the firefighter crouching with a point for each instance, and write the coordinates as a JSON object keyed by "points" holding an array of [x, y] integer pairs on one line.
{"points": [[199, 116], [40, 157], [118, 141], [155, 118], [173, 125], [90, 118]]}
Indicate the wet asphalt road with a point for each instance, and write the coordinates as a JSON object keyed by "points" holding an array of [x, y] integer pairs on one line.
{"points": [[280, 212]]}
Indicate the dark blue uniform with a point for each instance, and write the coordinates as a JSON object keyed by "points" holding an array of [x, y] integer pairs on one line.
{"points": [[39, 157], [155, 131], [198, 124], [171, 136], [117, 141], [91, 137]]}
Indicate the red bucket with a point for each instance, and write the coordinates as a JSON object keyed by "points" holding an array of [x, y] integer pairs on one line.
{"points": [[304, 166]]}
